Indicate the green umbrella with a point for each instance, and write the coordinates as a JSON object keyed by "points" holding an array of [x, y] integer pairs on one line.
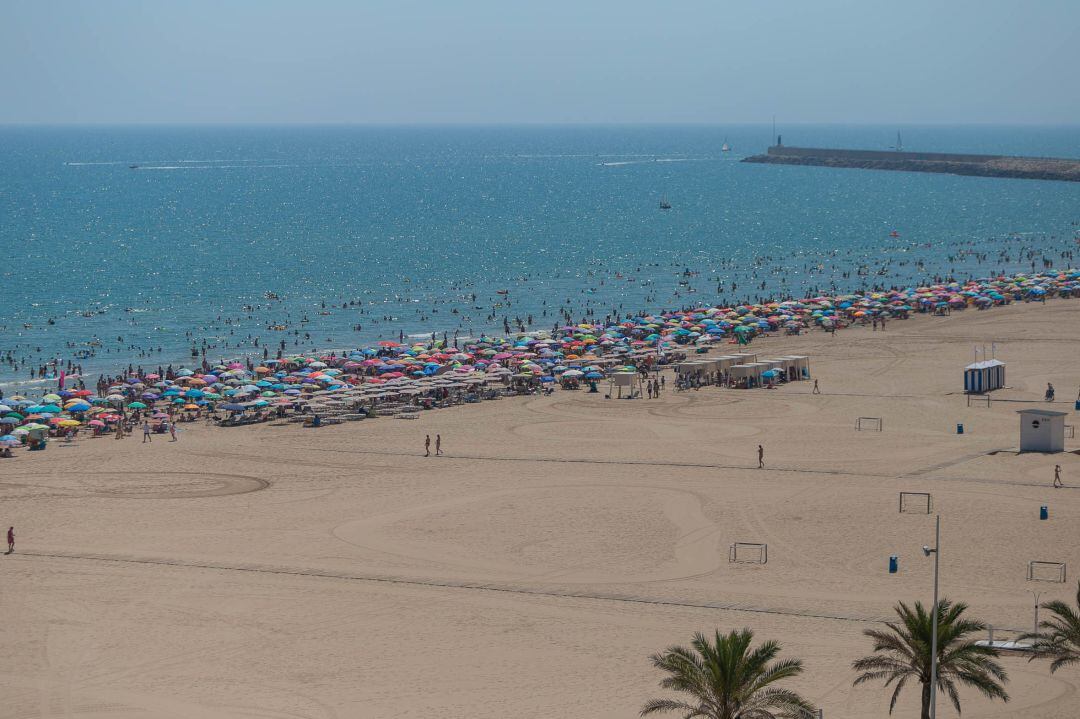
{"points": [[137, 405]]}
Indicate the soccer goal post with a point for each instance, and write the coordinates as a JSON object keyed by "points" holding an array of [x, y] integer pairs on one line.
{"points": [[916, 503], [1046, 571], [748, 553], [876, 424]]}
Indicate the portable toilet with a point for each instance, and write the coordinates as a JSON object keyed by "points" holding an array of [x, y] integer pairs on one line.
{"points": [[984, 376], [1042, 430]]}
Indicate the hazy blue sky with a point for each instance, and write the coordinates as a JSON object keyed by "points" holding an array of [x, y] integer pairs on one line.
{"points": [[578, 61]]}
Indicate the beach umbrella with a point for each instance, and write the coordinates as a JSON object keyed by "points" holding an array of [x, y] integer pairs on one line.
{"points": [[136, 405], [233, 407]]}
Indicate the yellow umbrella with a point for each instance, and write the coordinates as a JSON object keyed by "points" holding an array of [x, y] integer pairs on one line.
{"points": [[69, 423]]}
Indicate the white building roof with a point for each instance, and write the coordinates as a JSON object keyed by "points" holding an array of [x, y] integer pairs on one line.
{"points": [[1042, 412]]}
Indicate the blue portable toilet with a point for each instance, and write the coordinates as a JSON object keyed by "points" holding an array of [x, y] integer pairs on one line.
{"points": [[984, 376]]}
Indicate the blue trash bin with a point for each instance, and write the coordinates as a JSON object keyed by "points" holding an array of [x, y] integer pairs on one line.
{"points": [[894, 564], [959, 428], [1043, 512]]}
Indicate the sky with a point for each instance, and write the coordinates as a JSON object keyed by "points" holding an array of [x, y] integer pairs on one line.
{"points": [[527, 61]]}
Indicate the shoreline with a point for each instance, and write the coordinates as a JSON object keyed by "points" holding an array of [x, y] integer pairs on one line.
{"points": [[13, 387]]}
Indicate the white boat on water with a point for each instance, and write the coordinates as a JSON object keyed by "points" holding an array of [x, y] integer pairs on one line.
{"points": [[725, 147]]}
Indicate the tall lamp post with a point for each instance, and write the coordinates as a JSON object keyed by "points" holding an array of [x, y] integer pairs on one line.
{"points": [[1036, 595], [935, 550]]}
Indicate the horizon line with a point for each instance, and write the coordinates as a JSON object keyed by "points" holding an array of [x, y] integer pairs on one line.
{"points": [[507, 124]]}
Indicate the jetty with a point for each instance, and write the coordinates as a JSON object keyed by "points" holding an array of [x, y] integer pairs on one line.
{"points": [[1026, 168]]}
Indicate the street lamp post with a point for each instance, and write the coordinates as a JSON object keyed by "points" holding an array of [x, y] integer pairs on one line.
{"points": [[1036, 595], [935, 550]]}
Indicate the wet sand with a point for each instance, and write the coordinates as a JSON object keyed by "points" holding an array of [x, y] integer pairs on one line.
{"points": [[273, 571]]}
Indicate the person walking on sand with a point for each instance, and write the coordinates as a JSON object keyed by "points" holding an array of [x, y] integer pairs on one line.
{"points": [[760, 457], [10, 540], [427, 445], [146, 432], [1057, 477], [1049, 392], [172, 431], [817, 390], [438, 445]]}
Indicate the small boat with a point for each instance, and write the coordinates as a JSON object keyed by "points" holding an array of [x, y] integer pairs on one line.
{"points": [[664, 204], [725, 147], [133, 167], [502, 292]]}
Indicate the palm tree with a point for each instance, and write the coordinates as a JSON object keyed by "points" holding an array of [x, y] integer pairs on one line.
{"points": [[1059, 637], [726, 679], [903, 653]]}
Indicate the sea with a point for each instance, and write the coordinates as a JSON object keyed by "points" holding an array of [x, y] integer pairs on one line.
{"points": [[156, 245]]}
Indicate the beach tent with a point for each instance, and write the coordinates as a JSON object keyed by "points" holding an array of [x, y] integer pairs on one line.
{"points": [[694, 368], [984, 376], [749, 372], [801, 366], [724, 362], [745, 357], [1042, 430]]}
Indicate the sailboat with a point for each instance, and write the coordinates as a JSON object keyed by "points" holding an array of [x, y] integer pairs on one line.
{"points": [[664, 204], [725, 147], [899, 145]]}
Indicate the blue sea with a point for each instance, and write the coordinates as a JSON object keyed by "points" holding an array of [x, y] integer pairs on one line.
{"points": [[136, 244]]}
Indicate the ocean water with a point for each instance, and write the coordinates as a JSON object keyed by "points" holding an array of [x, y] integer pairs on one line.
{"points": [[417, 229]]}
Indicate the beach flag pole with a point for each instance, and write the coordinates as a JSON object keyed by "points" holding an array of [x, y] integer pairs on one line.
{"points": [[934, 622]]}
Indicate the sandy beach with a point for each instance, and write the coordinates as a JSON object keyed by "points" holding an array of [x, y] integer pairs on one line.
{"points": [[274, 571]]}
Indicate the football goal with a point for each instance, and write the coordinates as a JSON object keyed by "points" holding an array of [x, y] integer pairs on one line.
{"points": [[876, 424], [1046, 571], [748, 553], [916, 503]]}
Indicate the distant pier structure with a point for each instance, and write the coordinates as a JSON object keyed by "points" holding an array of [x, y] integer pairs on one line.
{"points": [[1027, 168]]}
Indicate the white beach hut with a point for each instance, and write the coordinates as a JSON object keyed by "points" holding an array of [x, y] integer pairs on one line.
{"points": [[1042, 430]]}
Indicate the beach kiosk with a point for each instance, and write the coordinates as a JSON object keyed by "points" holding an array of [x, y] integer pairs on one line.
{"points": [[1042, 430], [984, 376]]}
